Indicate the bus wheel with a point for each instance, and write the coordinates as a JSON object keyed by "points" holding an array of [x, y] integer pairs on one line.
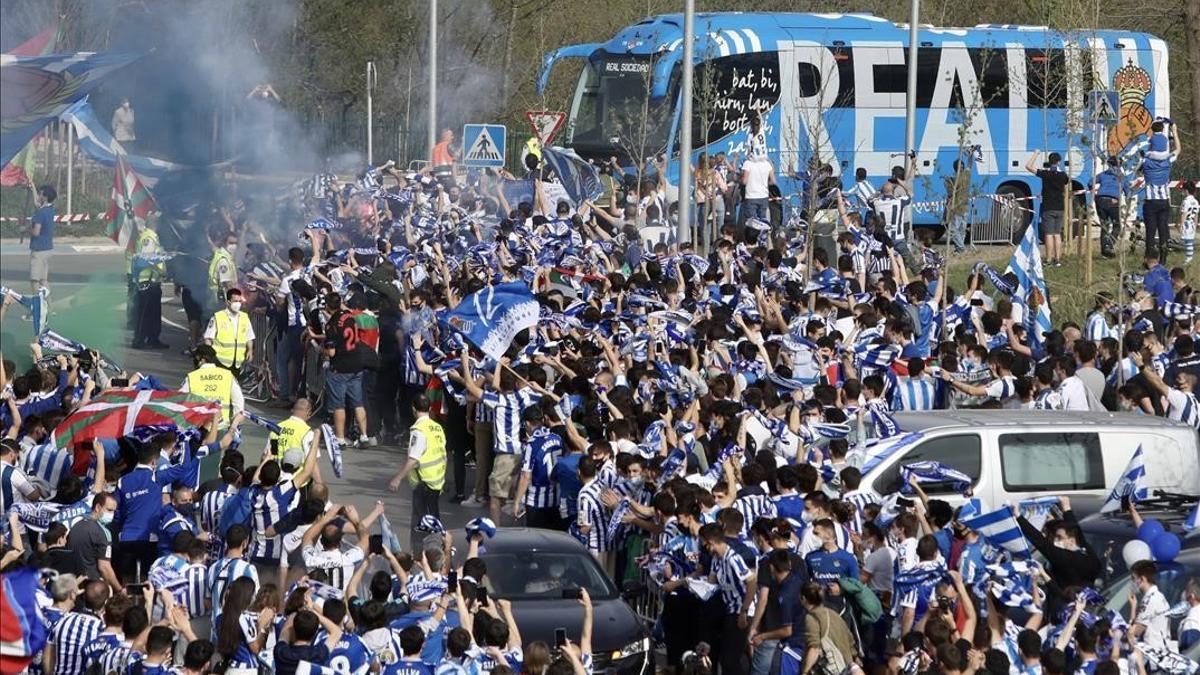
{"points": [[1022, 214]]}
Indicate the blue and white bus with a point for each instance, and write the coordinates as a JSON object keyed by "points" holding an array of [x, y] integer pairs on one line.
{"points": [[832, 86]]}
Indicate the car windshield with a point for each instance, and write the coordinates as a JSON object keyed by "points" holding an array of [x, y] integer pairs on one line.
{"points": [[532, 575], [614, 112], [1172, 578]]}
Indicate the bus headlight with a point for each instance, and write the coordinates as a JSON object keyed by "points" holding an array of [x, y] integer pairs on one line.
{"points": [[632, 648]]}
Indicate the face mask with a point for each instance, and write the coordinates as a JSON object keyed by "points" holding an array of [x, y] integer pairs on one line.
{"points": [[235, 306], [232, 248], [185, 509], [106, 517], [806, 517], [1064, 546], [637, 481]]}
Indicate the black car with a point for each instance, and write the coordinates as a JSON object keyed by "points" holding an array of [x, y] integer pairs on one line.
{"points": [[538, 570]]}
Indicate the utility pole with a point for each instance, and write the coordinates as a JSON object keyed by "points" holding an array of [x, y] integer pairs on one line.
{"points": [[683, 232], [910, 103], [433, 25], [370, 116]]}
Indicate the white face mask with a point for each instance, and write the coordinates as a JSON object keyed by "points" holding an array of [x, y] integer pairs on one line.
{"points": [[107, 517], [235, 306], [232, 248]]}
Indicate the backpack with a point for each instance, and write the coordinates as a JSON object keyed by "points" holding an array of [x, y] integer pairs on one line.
{"points": [[831, 660], [236, 510]]}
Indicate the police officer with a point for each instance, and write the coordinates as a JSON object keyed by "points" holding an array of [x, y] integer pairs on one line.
{"points": [[146, 275], [1108, 205], [214, 383], [425, 468], [222, 269], [230, 333], [294, 433]]}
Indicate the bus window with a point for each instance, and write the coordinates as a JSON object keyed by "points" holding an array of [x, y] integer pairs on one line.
{"points": [[1046, 73], [615, 113], [730, 90]]}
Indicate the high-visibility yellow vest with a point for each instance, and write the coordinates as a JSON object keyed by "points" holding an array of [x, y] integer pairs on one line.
{"points": [[214, 279], [231, 337], [148, 243], [431, 468], [291, 435], [214, 384]]}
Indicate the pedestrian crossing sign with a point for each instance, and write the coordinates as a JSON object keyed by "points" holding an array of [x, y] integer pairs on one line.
{"points": [[1102, 105], [484, 144]]}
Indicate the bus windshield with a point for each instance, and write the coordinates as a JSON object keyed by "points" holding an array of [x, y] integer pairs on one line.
{"points": [[614, 113]]}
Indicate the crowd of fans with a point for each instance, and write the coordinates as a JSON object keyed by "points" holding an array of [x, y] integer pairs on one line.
{"points": [[695, 420]]}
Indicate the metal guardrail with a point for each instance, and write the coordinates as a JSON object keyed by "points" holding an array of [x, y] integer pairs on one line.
{"points": [[1004, 218]]}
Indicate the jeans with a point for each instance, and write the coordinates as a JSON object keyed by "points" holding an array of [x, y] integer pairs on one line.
{"points": [[756, 208], [288, 352], [764, 656], [1156, 213], [958, 232], [342, 390], [1109, 211]]}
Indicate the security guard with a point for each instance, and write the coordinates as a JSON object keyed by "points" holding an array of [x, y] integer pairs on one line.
{"points": [[294, 432], [222, 269], [425, 468], [147, 275], [214, 383], [230, 333]]}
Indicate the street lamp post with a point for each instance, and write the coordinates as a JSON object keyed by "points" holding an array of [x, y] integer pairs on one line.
{"points": [[433, 46], [683, 231], [910, 107]]}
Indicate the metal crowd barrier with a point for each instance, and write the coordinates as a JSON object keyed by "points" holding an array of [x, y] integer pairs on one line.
{"points": [[1004, 217]]}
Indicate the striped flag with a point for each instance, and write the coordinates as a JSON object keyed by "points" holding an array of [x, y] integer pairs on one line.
{"points": [[931, 471], [390, 540], [335, 449], [1037, 509], [614, 523], [131, 202], [886, 425], [1132, 484], [38, 306], [1026, 263], [262, 422], [1013, 583], [59, 343], [22, 629], [1000, 529]]}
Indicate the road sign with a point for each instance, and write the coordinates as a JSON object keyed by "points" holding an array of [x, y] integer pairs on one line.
{"points": [[1102, 105], [484, 144], [545, 124]]}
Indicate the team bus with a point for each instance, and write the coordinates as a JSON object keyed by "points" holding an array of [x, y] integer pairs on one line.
{"points": [[833, 87]]}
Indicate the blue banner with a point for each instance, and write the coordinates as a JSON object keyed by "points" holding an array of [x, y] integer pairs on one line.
{"points": [[490, 318], [97, 143], [580, 179], [37, 89]]}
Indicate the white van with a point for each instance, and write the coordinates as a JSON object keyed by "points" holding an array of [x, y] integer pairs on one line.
{"points": [[1020, 454]]}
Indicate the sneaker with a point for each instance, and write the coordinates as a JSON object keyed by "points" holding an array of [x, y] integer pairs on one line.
{"points": [[343, 442], [367, 442], [158, 345], [458, 499], [475, 502]]}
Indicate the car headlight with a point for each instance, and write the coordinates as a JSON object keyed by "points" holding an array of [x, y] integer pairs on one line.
{"points": [[632, 648]]}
